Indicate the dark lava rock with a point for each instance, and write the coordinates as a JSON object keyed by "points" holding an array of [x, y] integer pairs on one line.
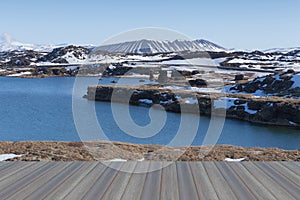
{"points": [[267, 114], [117, 71], [187, 73], [278, 112], [60, 60], [273, 85], [279, 85], [251, 87], [268, 80], [239, 101], [173, 107], [256, 105], [198, 83], [239, 77], [18, 58]]}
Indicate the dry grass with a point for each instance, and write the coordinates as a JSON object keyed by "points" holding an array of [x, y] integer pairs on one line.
{"points": [[103, 150]]}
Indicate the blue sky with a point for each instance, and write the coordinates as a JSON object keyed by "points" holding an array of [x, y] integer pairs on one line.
{"points": [[255, 24]]}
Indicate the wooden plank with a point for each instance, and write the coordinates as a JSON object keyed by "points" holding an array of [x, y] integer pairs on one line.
{"points": [[297, 163], [116, 190], [9, 170], [221, 187], [285, 171], [202, 182], [181, 180], [169, 182], [187, 189], [4, 165], [151, 189], [135, 185], [85, 184], [48, 182], [98, 189], [60, 191], [293, 166], [280, 179], [17, 184], [267, 181], [238, 187], [16, 174], [258, 189]]}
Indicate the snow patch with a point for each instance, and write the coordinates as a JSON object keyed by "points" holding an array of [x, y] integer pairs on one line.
{"points": [[193, 61], [4, 157], [19, 74], [224, 102], [117, 160], [142, 159], [219, 60], [111, 67], [191, 100], [206, 90], [71, 68], [146, 101], [292, 123], [249, 110], [235, 160]]}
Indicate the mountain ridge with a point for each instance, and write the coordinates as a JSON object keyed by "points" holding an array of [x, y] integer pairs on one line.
{"points": [[144, 46]]}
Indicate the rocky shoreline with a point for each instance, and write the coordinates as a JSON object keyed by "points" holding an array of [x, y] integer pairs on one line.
{"points": [[262, 110], [105, 151]]}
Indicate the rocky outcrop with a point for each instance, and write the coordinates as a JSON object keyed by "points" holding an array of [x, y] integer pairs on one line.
{"points": [[198, 83], [60, 55], [285, 84], [54, 71], [270, 110], [239, 77], [275, 112], [18, 58], [26, 58]]}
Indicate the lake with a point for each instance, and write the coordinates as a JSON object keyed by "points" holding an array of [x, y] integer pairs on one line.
{"points": [[41, 109]]}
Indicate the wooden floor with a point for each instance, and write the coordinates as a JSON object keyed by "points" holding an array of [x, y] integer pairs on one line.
{"points": [[181, 180]]}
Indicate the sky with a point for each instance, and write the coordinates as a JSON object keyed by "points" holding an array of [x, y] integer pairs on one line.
{"points": [[240, 24]]}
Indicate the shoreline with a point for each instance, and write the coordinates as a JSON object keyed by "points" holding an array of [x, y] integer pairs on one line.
{"points": [[108, 151], [273, 111]]}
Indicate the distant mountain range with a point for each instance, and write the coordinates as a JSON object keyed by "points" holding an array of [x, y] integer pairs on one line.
{"points": [[134, 47], [283, 50], [16, 54], [10, 45], [138, 47]]}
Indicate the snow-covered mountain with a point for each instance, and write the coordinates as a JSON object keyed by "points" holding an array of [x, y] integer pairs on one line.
{"points": [[210, 46], [157, 46], [8, 44]]}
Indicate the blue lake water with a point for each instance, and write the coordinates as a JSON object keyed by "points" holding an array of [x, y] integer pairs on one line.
{"points": [[41, 109]]}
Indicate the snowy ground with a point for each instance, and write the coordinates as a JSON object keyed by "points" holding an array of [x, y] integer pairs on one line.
{"points": [[19, 74], [4, 157]]}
